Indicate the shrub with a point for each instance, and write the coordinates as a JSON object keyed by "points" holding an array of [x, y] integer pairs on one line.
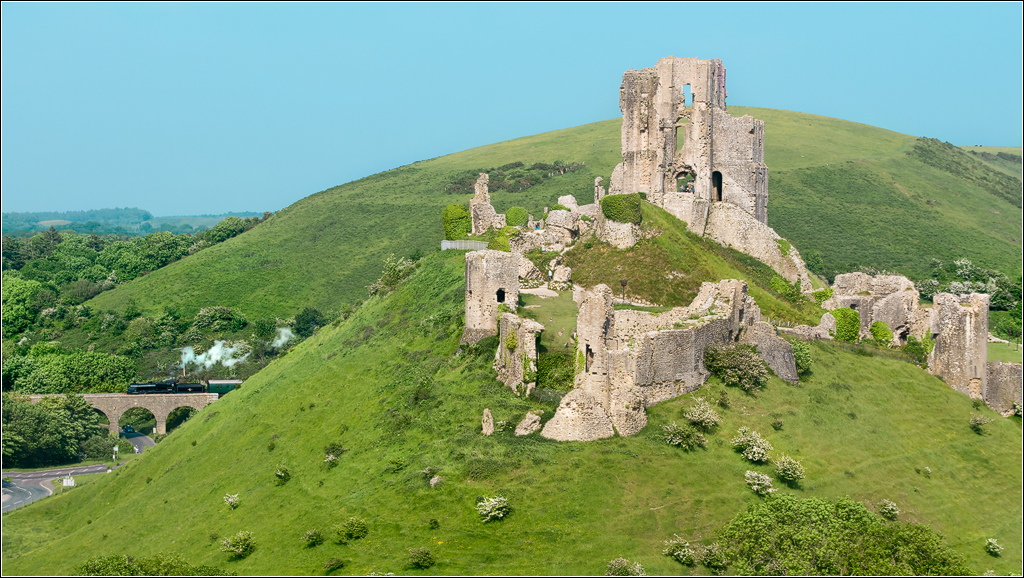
{"points": [[701, 415], [847, 324], [512, 340], [750, 443], [282, 474], [517, 217], [508, 231], [159, 565], [881, 333], [495, 508], [715, 557], [888, 510], [683, 436], [784, 246], [231, 500], [241, 544], [993, 547], [351, 529], [421, 558], [737, 365], [457, 222], [1018, 409], [623, 567], [560, 207], [333, 564], [760, 483], [499, 243], [802, 356], [622, 208], [978, 422], [788, 469], [822, 295], [313, 537], [393, 270], [723, 399], [857, 542], [791, 291], [681, 551], [777, 423]]}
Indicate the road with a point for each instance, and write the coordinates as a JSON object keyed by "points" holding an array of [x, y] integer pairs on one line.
{"points": [[27, 487]]}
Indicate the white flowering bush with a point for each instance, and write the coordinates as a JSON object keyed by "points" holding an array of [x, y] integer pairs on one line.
{"points": [[737, 365], [313, 537], [495, 508], [753, 447], [231, 500], [702, 415], [683, 436], [681, 551], [788, 469], [330, 460], [282, 474], [715, 558], [1018, 409], [623, 567], [760, 483], [978, 422], [241, 544], [888, 510], [993, 547]]}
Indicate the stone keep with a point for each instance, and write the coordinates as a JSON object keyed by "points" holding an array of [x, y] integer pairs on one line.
{"points": [[675, 124], [492, 278]]}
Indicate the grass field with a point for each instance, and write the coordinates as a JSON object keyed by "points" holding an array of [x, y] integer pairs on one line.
{"points": [[387, 386], [846, 190], [1007, 353]]}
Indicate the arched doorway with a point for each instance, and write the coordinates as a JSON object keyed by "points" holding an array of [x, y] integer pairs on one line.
{"points": [[686, 181], [716, 186]]}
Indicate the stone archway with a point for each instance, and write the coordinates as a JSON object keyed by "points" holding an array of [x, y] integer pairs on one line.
{"points": [[113, 405]]}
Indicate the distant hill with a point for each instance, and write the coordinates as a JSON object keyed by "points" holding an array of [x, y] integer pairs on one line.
{"points": [[126, 221], [859, 196]]}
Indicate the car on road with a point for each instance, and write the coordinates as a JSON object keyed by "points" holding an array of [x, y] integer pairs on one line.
{"points": [[128, 429]]}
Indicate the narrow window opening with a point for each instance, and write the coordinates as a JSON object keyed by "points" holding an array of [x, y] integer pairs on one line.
{"points": [[590, 357], [716, 186], [501, 295], [681, 133], [687, 96]]}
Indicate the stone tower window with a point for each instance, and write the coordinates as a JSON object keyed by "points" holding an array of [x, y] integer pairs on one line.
{"points": [[716, 186], [501, 295]]}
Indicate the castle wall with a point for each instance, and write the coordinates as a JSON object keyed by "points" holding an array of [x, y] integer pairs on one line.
{"points": [[492, 277], [889, 298], [730, 225], [1003, 386], [961, 346], [517, 366]]}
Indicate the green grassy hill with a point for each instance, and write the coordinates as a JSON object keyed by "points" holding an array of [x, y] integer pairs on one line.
{"points": [[387, 385], [858, 195]]}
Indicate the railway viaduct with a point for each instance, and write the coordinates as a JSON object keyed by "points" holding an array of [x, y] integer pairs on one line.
{"points": [[160, 405]]}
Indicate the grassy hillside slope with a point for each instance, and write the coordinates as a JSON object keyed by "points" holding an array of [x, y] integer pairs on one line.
{"points": [[387, 385], [849, 191]]}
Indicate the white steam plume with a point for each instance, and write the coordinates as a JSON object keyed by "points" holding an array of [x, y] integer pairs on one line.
{"points": [[284, 335], [219, 353]]}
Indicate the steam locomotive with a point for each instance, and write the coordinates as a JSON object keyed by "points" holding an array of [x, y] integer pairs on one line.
{"points": [[172, 386]]}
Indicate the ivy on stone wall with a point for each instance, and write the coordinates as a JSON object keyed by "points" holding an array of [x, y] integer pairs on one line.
{"points": [[847, 324]]}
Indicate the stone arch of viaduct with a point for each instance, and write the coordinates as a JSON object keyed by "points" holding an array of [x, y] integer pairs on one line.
{"points": [[113, 405]]}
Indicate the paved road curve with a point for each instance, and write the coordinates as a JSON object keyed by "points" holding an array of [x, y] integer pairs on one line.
{"points": [[27, 487]]}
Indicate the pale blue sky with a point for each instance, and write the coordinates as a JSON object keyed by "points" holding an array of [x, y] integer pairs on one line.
{"points": [[207, 108]]}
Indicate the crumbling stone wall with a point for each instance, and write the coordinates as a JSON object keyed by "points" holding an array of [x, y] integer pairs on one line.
{"points": [[824, 330], [961, 342], [492, 278], [480, 209], [619, 235], [579, 417], [889, 298], [774, 350], [627, 360], [516, 358], [1003, 386], [730, 225]]}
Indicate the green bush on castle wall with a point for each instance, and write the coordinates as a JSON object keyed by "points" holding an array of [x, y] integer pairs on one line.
{"points": [[847, 324], [516, 217], [457, 222], [622, 208]]}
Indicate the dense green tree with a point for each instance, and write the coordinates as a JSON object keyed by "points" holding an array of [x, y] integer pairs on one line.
{"points": [[19, 311]]}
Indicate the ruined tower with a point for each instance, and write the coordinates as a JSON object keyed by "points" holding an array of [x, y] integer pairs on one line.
{"points": [[492, 279], [676, 130]]}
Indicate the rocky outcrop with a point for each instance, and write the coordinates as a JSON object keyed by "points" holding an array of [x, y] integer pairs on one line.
{"points": [[530, 424], [487, 423], [579, 417]]}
